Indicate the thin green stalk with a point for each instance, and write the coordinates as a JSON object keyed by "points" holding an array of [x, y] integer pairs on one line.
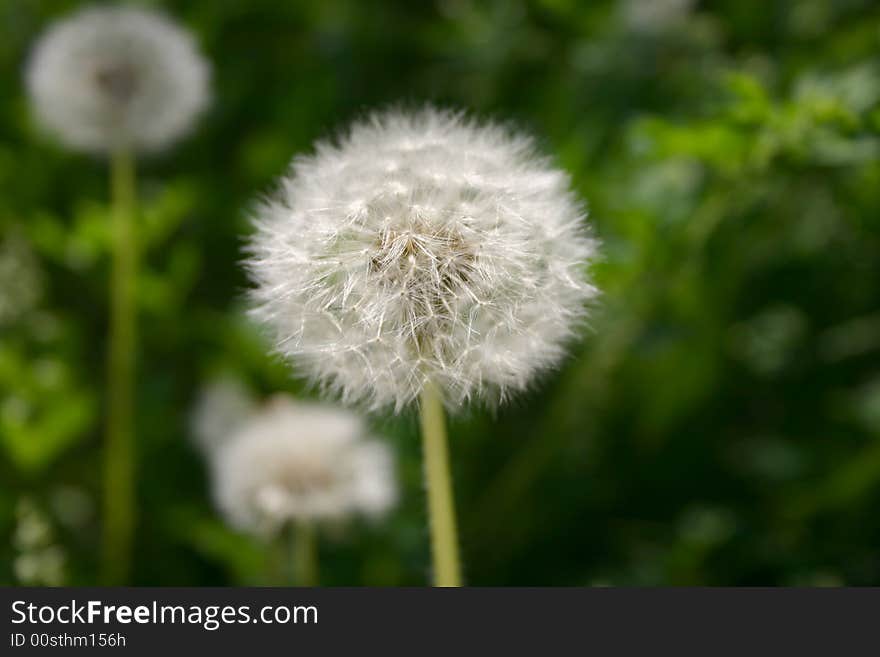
{"points": [[304, 554], [119, 471], [441, 502]]}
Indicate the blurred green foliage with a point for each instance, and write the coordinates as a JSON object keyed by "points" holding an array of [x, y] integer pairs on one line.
{"points": [[718, 424]]}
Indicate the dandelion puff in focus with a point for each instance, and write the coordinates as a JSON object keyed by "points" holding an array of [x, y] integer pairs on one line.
{"points": [[422, 247], [117, 75], [295, 462]]}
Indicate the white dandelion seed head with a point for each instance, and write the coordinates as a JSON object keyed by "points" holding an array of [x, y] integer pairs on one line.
{"points": [[422, 247], [117, 75], [222, 407], [301, 461]]}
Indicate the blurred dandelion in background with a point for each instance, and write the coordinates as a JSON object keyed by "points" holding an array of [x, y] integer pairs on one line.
{"points": [[117, 75], [421, 248], [117, 81], [425, 256], [291, 466]]}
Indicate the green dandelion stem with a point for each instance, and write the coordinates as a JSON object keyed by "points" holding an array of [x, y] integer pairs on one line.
{"points": [[119, 470], [304, 554], [441, 502]]}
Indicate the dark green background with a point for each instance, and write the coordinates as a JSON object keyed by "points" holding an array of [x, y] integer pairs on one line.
{"points": [[718, 424]]}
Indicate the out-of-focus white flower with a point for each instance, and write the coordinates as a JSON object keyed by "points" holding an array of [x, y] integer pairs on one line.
{"points": [[297, 461], [21, 281], [422, 247], [117, 75], [223, 406]]}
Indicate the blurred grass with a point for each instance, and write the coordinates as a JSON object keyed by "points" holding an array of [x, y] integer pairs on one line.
{"points": [[718, 422]]}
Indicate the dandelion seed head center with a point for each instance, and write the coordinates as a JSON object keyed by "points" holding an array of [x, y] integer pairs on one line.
{"points": [[304, 478], [117, 80], [422, 264]]}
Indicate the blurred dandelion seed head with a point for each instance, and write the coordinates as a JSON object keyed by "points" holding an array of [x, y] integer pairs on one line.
{"points": [[108, 76], [422, 246], [296, 461]]}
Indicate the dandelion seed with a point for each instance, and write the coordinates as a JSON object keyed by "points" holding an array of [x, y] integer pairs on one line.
{"points": [[118, 81], [419, 248], [109, 76]]}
